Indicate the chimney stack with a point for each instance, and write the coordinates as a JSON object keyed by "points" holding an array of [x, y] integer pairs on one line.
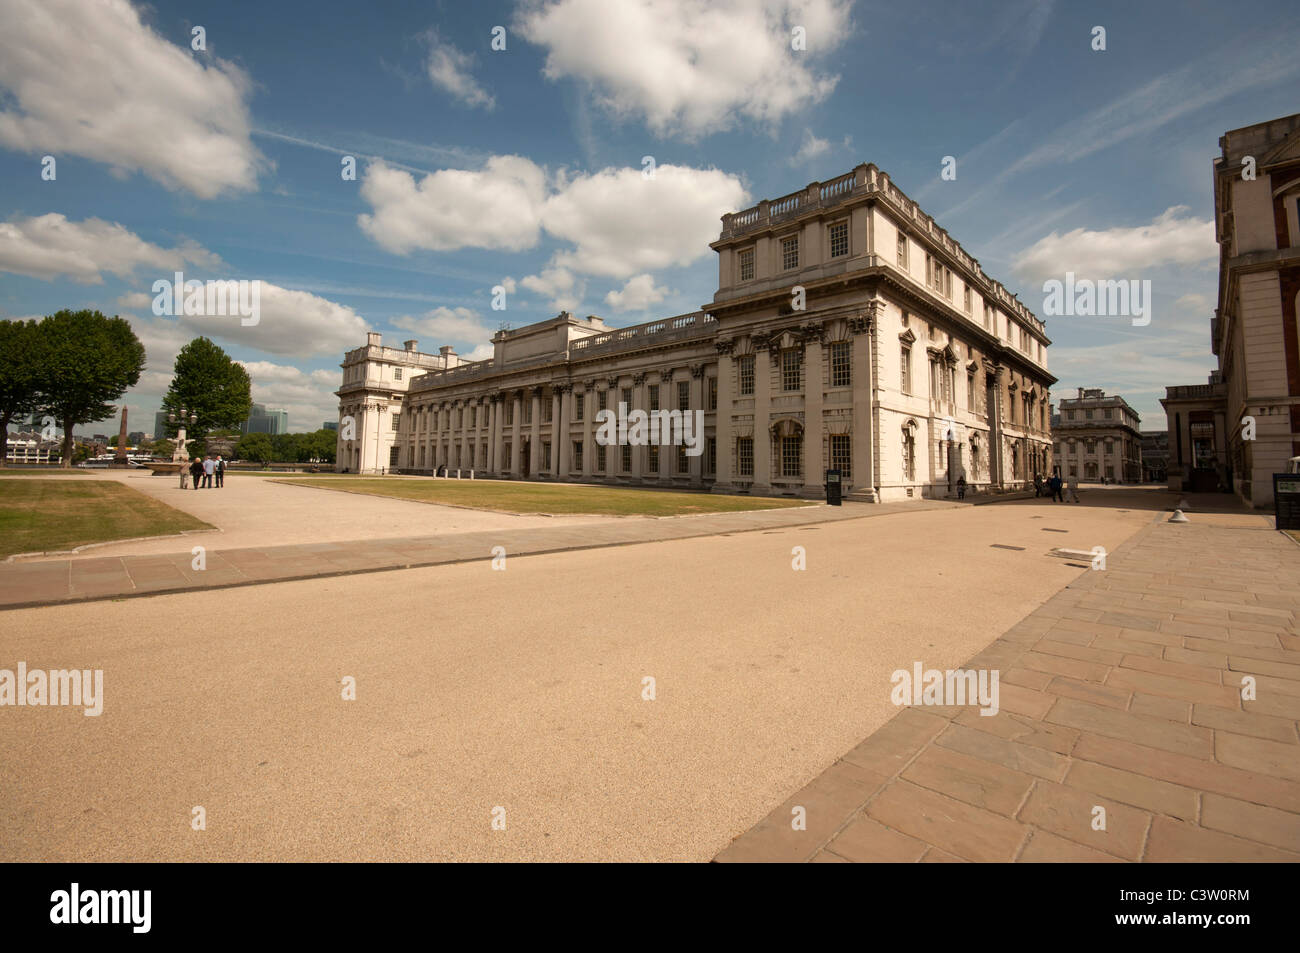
{"points": [[410, 345], [372, 339]]}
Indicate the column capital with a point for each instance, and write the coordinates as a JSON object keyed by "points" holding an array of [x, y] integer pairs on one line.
{"points": [[697, 371], [724, 345], [612, 383], [638, 379]]}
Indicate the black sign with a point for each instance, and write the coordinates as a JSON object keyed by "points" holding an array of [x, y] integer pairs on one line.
{"points": [[833, 486], [1286, 500]]}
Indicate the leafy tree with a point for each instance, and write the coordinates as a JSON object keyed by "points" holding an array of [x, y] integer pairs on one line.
{"points": [[257, 447], [161, 448], [20, 345], [322, 445], [87, 361], [209, 385]]}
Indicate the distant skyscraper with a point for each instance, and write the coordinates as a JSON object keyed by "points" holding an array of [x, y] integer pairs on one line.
{"points": [[330, 425], [160, 425], [265, 421]]}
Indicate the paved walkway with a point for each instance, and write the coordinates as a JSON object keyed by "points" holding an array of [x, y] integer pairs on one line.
{"points": [[85, 578], [1122, 692]]}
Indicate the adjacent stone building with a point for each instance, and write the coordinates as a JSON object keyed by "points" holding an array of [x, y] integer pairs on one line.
{"points": [[848, 331], [1243, 426], [1097, 438]]}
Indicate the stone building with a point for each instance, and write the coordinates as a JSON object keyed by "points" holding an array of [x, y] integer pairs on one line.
{"points": [[848, 331], [1097, 438], [1243, 426], [1155, 456]]}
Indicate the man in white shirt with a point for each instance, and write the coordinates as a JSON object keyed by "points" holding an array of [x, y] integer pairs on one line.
{"points": [[209, 467]]}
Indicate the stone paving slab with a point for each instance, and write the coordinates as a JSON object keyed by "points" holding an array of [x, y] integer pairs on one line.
{"points": [[1123, 692], [53, 581]]}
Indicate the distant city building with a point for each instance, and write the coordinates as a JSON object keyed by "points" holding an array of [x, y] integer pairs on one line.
{"points": [[1155, 456], [848, 331], [160, 425], [26, 446], [1242, 427], [265, 421], [1097, 438], [330, 425], [135, 437]]}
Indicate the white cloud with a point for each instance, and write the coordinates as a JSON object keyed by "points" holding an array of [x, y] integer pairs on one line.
{"points": [[811, 148], [622, 223], [559, 286], [449, 69], [1172, 238], [135, 300], [637, 295], [498, 207], [89, 79], [47, 246], [690, 66], [445, 325]]}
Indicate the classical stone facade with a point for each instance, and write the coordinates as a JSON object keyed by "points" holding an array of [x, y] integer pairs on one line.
{"points": [[848, 330], [1097, 438], [1243, 426]]}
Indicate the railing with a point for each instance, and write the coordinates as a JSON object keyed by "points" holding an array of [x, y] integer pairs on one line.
{"points": [[1194, 391], [663, 331]]}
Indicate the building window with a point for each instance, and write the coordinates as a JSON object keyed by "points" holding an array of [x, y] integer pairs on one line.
{"points": [[1087, 414], [602, 398], [683, 461], [965, 298], [790, 253], [600, 456], [909, 455], [396, 420], [988, 316], [905, 365], [579, 407], [653, 464], [839, 239], [711, 454], [747, 264], [746, 367], [654, 396], [392, 456], [745, 456], [577, 455], [626, 453], [546, 455], [791, 369], [547, 409], [713, 393], [938, 277], [792, 457], [902, 251], [627, 396], [841, 458], [841, 375], [528, 410], [1110, 446], [970, 392], [510, 413], [397, 373], [1108, 413]]}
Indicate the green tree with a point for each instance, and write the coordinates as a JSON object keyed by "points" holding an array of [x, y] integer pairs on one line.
{"points": [[209, 385], [87, 361], [255, 446], [161, 448], [321, 445], [20, 346]]}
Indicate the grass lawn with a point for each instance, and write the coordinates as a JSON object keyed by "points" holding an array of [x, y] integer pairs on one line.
{"points": [[42, 471], [49, 515], [548, 498]]}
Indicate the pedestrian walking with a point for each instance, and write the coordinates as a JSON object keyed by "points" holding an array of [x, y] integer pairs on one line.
{"points": [[196, 471], [209, 467], [220, 470], [1056, 489], [961, 488], [185, 477]]}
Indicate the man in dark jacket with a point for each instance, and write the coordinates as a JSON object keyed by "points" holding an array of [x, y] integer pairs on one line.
{"points": [[196, 471]]}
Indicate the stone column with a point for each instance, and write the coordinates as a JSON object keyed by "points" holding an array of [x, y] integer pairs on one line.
{"points": [[516, 428], [862, 442], [696, 403], [560, 432], [640, 455], [763, 363], [588, 440], [813, 477], [667, 401], [535, 437], [722, 419]]}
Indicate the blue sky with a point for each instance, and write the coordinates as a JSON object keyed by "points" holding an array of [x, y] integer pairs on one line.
{"points": [[522, 167]]}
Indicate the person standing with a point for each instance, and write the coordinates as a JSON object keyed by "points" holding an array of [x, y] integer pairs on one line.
{"points": [[1056, 489], [220, 469], [196, 471], [209, 467], [961, 488], [1074, 486]]}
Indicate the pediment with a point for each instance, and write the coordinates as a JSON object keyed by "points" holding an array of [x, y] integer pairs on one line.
{"points": [[907, 337], [1288, 150]]}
